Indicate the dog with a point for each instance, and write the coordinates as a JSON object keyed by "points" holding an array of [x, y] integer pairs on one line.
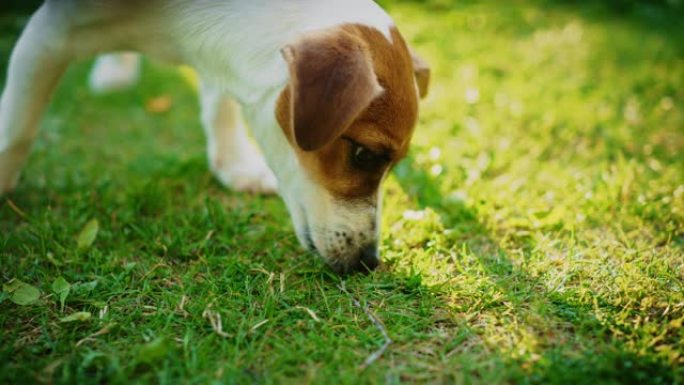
{"points": [[329, 88]]}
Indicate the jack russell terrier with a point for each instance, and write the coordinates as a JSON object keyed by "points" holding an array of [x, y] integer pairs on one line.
{"points": [[328, 87]]}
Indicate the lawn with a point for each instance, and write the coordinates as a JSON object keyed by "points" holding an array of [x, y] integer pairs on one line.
{"points": [[534, 235]]}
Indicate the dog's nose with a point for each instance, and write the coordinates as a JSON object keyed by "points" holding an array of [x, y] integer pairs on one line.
{"points": [[369, 259]]}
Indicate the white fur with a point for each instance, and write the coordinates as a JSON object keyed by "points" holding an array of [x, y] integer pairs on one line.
{"points": [[232, 157], [114, 72], [235, 47]]}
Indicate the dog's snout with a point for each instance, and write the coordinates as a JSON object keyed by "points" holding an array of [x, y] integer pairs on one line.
{"points": [[369, 259], [366, 260]]}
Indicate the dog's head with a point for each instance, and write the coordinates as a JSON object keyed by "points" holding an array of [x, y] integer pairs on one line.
{"points": [[348, 112]]}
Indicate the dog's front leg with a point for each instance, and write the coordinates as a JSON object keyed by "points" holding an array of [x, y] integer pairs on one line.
{"points": [[233, 158], [36, 65]]}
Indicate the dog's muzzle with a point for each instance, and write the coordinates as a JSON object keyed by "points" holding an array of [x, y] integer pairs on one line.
{"points": [[366, 260], [369, 259]]}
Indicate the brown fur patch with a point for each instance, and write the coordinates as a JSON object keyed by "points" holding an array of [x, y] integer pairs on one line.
{"points": [[331, 82], [386, 125]]}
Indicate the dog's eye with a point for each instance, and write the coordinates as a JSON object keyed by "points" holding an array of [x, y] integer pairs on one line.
{"points": [[365, 159]]}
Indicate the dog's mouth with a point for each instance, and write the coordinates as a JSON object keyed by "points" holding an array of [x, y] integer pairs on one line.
{"points": [[342, 260], [367, 261]]}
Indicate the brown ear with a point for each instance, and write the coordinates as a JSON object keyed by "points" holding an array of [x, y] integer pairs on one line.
{"points": [[331, 83], [422, 70]]}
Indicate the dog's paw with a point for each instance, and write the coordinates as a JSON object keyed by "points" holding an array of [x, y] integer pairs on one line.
{"points": [[11, 160], [9, 177], [250, 175], [114, 72]]}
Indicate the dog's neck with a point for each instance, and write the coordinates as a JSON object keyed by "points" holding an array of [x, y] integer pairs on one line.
{"points": [[237, 45]]}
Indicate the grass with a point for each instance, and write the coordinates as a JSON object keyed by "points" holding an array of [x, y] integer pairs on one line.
{"points": [[535, 234]]}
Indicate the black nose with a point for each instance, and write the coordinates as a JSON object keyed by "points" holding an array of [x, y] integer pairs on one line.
{"points": [[369, 259]]}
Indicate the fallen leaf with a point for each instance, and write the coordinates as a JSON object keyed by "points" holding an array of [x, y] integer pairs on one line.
{"points": [[87, 236], [62, 288], [25, 295], [82, 288], [80, 316], [159, 105], [11, 286], [21, 293]]}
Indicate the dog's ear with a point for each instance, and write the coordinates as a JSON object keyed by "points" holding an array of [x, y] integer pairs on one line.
{"points": [[332, 82], [422, 71]]}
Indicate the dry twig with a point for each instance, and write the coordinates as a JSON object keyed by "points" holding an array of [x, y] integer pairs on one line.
{"points": [[214, 318], [16, 209], [310, 312], [181, 307], [270, 276], [259, 324], [101, 332], [388, 341]]}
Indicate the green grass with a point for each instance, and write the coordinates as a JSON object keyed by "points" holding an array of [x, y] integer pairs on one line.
{"points": [[535, 234]]}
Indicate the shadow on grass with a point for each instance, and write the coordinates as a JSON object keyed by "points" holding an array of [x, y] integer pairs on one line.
{"points": [[601, 357]]}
